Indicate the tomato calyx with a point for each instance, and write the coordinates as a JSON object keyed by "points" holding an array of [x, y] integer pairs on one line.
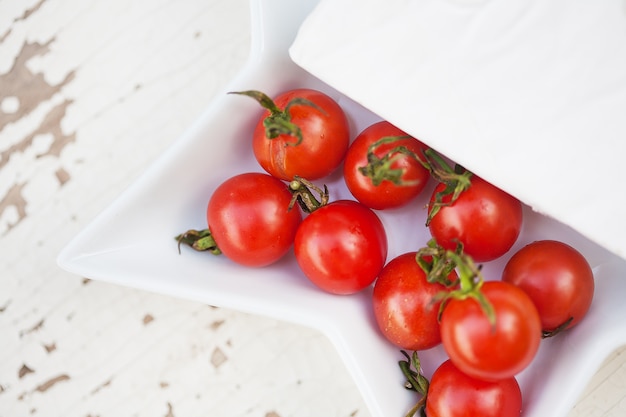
{"points": [[438, 262], [279, 121], [379, 169], [301, 188], [415, 381], [456, 179], [435, 264], [200, 240]]}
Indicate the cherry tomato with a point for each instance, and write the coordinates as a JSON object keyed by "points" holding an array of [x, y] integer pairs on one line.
{"points": [[304, 132], [341, 247], [393, 175], [249, 219], [486, 350], [557, 278], [485, 219], [452, 393], [404, 305]]}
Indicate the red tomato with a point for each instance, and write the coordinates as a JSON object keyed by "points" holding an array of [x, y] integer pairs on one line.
{"points": [[491, 352], [557, 278], [454, 394], [341, 247], [403, 304], [325, 136], [484, 218], [249, 219], [395, 177]]}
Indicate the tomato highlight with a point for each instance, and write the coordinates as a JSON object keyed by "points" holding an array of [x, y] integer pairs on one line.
{"points": [[249, 218], [485, 219], [453, 393], [491, 350], [341, 247], [557, 278], [405, 304]]}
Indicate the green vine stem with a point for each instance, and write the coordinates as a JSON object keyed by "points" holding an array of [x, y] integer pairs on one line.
{"points": [[456, 180], [435, 262], [379, 169], [279, 121], [438, 262], [471, 280]]}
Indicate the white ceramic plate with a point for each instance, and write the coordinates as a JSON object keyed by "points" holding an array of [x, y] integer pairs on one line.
{"points": [[132, 244]]}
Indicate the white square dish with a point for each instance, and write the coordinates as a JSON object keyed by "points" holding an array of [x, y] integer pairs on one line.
{"points": [[132, 244]]}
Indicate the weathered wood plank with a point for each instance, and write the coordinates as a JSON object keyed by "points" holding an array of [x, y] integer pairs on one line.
{"points": [[91, 92]]}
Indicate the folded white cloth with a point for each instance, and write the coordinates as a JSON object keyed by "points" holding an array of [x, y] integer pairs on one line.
{"points": [[530, 95]]}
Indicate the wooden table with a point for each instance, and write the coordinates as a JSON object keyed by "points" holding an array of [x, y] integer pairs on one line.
{"points": [[91, 92]]}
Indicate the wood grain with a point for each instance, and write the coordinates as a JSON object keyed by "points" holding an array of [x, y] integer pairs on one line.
{"points": [[91, 92]]}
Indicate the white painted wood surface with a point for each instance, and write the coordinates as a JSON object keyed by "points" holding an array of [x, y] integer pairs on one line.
{"points": [[91, 92]]}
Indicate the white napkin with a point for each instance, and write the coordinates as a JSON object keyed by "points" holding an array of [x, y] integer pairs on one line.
{"points": [[530, 95]]}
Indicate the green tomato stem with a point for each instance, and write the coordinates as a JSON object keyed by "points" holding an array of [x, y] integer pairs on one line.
{"points": [[378, 169], [471, 280], [456, 179], [438, 262]]}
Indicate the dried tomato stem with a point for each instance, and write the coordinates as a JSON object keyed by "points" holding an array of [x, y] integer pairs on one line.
{"points": [[550, 333], [301, 190], [415, 381], [200, 240]]}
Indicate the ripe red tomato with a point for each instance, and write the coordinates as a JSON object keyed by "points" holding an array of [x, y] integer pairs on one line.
{"points": [[324, 129], [485, 219], [403, 304], [491, 352], [395, 177], [557, 278], [249, 219], [341, 247], [454, 394]]}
